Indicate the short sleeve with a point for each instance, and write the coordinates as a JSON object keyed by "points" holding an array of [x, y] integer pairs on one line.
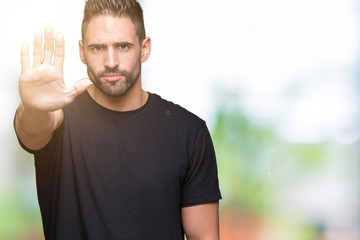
{"points": [[201, 183]]}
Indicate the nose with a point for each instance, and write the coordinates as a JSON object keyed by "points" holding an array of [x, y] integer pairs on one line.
{"points": [[111, 58]]}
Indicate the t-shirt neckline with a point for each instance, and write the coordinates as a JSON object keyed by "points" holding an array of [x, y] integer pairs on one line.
{"points": [[97, 105]]}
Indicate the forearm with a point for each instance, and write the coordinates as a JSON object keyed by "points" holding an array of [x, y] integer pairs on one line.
{"points": [[211, 234], [33, 122], [203, 238], [35, 128], [201, 222]]}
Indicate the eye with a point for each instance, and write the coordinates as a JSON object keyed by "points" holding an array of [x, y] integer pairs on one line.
{"points": [[123, 46], [97, 48]]}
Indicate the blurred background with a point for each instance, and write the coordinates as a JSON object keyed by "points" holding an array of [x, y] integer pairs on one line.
{"points": [[276, 81]]}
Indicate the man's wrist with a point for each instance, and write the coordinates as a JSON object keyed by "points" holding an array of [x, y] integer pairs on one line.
{"points": [[34, 121]]}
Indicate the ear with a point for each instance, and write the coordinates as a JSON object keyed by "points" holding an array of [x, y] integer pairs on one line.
{"points": [[81, 52], [145, 49]]}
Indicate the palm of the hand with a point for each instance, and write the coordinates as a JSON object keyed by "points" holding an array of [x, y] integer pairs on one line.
{"points": [[42, 87]]}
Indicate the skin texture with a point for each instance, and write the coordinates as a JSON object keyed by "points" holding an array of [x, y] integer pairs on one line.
{"points": [[121, 58], [113, 55], [112, 43], [42, 90], [201, 222]]}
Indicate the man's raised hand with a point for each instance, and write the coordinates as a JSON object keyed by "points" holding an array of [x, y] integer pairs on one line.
{"points": [[42, 86]]}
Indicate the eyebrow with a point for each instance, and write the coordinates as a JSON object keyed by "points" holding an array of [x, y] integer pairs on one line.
{"points": [[103, 45], [123, 42], [93, 45]]}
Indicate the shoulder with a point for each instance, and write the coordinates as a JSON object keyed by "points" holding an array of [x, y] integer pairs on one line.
{"points": [[177, 113]]}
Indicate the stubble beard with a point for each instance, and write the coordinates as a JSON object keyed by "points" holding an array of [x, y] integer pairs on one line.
{"points": [[118, 88]]}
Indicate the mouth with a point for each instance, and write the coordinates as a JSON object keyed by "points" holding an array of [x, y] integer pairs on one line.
{"points": [[112, 77]]}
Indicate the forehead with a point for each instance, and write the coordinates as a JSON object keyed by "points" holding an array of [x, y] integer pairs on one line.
{"points": [[104, 28]]}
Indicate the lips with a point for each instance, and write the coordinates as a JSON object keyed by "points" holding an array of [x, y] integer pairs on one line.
{"points": [[112, 77]]}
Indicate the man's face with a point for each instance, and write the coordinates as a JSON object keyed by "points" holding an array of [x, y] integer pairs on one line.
{"points": [[112, 53]]}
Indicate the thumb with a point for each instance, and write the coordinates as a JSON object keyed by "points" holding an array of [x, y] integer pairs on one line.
{"points": [[78, 88]]}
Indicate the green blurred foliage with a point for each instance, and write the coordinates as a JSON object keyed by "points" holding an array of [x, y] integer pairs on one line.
{"points": [[19, 220], [255, 165], [239, 146], [252, 160]]}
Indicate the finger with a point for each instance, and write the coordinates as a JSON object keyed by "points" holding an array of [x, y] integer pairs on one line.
{"points": [[48, 44], [59, 51], [37, 54], [24, 57], [78, 88]]}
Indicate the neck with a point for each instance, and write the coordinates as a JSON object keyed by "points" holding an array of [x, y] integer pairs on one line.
{"points": [[134, 99]]}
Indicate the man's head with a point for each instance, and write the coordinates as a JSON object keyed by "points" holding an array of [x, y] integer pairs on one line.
{"points": [[115, 8], [114, 45]]}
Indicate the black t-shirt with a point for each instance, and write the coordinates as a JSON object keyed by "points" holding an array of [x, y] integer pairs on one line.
{"points": [[124, 175]]}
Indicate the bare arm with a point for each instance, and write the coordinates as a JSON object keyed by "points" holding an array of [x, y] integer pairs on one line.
{"points": [[42, 90], [35, 128], [201, 222]]}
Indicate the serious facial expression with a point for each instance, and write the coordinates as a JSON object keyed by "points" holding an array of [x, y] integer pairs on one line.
{"points": [[112, 53]]}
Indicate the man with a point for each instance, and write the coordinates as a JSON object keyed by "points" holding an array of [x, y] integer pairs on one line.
{"points": [[113, 161]]}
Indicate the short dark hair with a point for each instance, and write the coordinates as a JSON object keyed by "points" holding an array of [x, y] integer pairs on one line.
{"points": [[115, 8]]}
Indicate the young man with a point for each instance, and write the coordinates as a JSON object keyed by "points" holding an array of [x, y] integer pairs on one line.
{"points": [[113, 161]]}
